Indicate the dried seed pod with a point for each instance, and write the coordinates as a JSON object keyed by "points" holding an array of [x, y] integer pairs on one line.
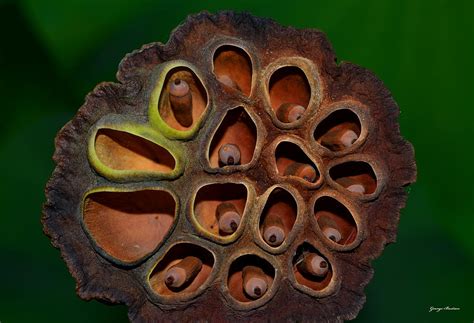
{"points": [[183, 272], [254, 281], [228, 217], [148, 157]]}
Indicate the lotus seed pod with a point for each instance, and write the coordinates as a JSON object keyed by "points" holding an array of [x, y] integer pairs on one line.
{"points": [[235, 173]]}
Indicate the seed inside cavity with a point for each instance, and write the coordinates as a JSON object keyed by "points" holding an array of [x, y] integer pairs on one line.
{"points": [[348, 138], [332, 234], [229, 154], [356, 188], [274, 235], [179, 87]]}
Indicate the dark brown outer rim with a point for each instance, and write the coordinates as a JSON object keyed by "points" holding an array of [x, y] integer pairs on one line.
{"points": [[134, 70]]}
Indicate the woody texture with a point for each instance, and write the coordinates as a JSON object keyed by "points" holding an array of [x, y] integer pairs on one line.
{"points": [[237, 172]]}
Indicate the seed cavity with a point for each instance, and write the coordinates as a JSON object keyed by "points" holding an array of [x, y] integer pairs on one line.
{"points": [[278, 217], [182, 270], [183, 99], [120, 150], [356, 176], [250, 278], [218, 208], [311, 268], [293, 162], [129, 225], [289, 92], [234, 141], [335, 221], [233, 68], [338, 131]]}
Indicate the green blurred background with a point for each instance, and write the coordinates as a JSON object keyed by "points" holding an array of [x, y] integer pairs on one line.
{"points": [[53, 52]]}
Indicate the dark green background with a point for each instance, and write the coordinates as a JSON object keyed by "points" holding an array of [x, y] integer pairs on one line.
{"points": [[53, 52]]}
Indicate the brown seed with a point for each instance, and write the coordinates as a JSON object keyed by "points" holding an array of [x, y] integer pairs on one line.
{"points": [[227, 81], [338, 139], [290, 112], [229, 154], [332, 234], [356, 188], [313, 265], [182, 272], [228, 217], [348, 138], [273, 230], [305, 171], [254, 281], [181, 101], [351, 185]]}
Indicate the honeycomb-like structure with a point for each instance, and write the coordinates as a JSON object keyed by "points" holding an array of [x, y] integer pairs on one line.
{"points": [[236, 172]]}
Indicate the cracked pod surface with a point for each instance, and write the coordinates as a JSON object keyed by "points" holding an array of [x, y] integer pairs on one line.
{"points": [[236, 172]]}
